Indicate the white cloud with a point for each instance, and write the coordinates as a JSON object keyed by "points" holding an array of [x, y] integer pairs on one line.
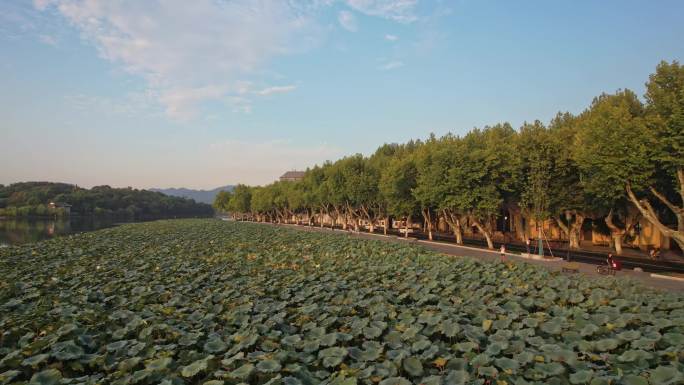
{"points": [[187, 54], [204, 52], [348, 21], [398, 10], [276, 90], [263, 162], [391, 37], [391, 65], [49, 40]]}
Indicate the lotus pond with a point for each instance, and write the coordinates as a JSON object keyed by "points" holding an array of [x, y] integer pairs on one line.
{"points": [[213, 302]]}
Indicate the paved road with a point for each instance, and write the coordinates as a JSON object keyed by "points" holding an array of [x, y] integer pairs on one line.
{"points": [[488, 255]]}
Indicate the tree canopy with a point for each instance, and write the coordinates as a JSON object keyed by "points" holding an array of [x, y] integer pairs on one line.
{"points": [[619, 160]]}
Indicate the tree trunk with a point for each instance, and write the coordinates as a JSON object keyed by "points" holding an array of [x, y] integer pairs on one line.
{"points": [[385, 225], [517, 215], [616, 233], [406, 224], [485, 232], [428, 222], [573, 228], [645, 208], [454, 221]]}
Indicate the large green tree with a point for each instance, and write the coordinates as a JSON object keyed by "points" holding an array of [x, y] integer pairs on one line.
{"points": [[613, 151], [665, 120]]}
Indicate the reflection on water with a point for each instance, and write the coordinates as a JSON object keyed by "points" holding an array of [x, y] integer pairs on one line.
{"points": [[18, 231]]}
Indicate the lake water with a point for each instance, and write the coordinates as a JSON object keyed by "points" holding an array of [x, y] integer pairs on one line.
{"points": [[19, 231]]}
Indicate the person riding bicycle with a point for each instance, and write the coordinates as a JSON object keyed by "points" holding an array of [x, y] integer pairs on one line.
{"points": [[613, 262]]}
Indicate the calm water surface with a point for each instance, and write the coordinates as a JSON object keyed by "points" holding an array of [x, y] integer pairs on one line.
{"points": [[19, 231]]}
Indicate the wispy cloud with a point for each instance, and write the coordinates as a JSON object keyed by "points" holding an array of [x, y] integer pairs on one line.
{"points": [[398, 10], [187, 55], [348, 21], [276, 90], [391, 65], [391, 37]]}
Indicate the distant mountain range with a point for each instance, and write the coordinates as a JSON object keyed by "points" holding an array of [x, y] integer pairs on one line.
{"points": [[203, 196]]}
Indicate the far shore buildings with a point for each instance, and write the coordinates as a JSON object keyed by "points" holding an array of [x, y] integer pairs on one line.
{"points": [[292, 176], [61, 205]]}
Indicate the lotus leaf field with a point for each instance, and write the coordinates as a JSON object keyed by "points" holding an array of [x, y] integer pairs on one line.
{"points": [[213, 302]]}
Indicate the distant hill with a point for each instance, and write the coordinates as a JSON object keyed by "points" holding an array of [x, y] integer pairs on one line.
{"points": [[201, 196], [27, 199]]}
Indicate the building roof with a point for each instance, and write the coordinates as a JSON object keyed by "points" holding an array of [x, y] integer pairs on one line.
{"points": [[60, 204], [293, 175]]}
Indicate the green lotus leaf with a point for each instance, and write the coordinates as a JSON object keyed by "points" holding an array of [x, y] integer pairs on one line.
{"points": [[581, 377], [335, 351], [242, 373], [665, 375], [35, 360], [215, 346], [195, 367], [457, 377], [332, 361], [631, 379], [634, 355], [413, 366], [629, 335], [481, 360], [67, 350], [674, 339], [508, 365], [127, 365], [46, 377], [606, 344], [140, 375], [524, 357], [188, 339], [465, 347], [66, 329], [372, 332], [289, 380], [311, 346], [589, 330], [114, 346], [530, 322], [159, 364], [291, 340], [552, 327], [550, 369], [268, 366], [450, 328], [420, 345], [329, 339], [213, 382], [395, 381], [488, 371], [8, 376]]}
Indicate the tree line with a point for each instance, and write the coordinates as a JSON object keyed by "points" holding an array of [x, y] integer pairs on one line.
{"points": [[619, 160], [33, 198]]}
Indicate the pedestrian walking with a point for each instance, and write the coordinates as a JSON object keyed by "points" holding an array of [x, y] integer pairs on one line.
{"points": [[527, 245], [503, 253]]}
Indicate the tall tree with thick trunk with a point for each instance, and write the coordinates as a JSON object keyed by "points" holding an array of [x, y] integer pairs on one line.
{"points": [[612, 151], [665, 119]]}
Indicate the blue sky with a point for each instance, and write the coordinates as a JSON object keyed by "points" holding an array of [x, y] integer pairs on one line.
{"points": [[212, 92]]}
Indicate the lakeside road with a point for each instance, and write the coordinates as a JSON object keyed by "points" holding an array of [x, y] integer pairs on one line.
{"points": [[494, 255]]}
